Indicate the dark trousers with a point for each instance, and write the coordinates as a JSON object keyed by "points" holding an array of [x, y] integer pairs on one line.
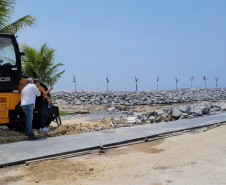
{"points": [[43, 116]]}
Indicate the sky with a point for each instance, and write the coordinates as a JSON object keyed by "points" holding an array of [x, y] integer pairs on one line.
{"points": [[121, 39]]}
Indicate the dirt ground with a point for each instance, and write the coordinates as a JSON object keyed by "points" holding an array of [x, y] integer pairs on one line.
{"points": [[191, 158], [68, 127], [72, 126], [83, 109]]}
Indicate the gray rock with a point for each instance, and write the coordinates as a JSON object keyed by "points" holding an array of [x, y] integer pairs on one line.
{"points": [[138, 121], [149, 114], [158, 112], [83, 99], [158, 119], [205, 109], [143, 120], [185, 109], [164, 116], [4, 128], [215, 109], [152, 119], [146, 97], [63, 102], [184, 116], [78, 103], [131, 119], [168, 111], [111, 109], [223, 106], [176, 113], [217, 105], [58, 101], [105, 102], [197, 112]]}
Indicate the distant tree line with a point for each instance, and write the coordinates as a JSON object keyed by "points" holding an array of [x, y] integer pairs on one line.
{"points": [[177, 80]]}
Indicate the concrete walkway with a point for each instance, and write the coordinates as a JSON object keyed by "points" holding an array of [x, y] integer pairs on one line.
{"points": [[20, 152]]}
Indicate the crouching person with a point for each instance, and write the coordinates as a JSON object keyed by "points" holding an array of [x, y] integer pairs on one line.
{"points": [[41, 106]]}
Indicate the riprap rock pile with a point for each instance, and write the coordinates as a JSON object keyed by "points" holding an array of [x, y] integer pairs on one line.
{"points": [[140, 97]]}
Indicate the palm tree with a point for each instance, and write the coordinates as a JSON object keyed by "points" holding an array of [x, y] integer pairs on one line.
{"points": [[136, 80], [40, 64], [107, 80], [192, 78], [6, 11], [205, 78], [157, 82], [216, 78], [74, 81], [177, 80]]}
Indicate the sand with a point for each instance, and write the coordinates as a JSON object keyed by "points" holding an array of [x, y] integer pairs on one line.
{"points": [[68, 127], [192, 158], [73, 126]]}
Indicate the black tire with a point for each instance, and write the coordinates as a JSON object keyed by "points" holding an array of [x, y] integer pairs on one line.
{"points": [[58, 120], [20, 127]]}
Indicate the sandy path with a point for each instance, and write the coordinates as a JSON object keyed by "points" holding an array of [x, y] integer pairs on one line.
{"points": [[191, 158]]}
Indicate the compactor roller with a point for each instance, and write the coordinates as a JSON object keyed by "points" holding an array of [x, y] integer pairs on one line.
{"points": [[12, 81]]}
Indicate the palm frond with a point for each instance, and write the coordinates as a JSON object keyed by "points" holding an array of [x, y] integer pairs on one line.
{"points": [[54, 79], [6, 9], [19, 24], [52, 69], [40, 64]]}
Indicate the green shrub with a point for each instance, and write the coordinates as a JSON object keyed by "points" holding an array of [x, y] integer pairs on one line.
{"points": [[63, 113]]}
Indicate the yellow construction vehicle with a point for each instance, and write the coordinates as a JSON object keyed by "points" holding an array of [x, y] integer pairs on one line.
{"points": [[12, 81]]}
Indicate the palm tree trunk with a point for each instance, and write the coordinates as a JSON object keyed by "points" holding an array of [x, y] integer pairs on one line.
{"points": [[136, 86]]}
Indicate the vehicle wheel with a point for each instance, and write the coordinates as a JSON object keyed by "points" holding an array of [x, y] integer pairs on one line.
{"points": [[17, 126], [58, 121]]}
